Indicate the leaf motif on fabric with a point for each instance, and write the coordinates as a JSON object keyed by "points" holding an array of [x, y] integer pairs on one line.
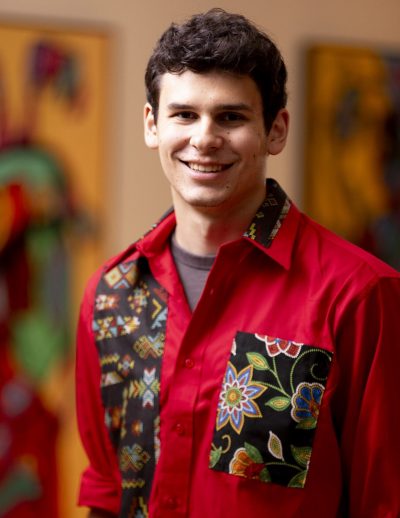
{"points": [[278, 403], [215, 455], [275, 446], [253, 453], [301, 455], [264, 475], [258, 361], [298, 480]]}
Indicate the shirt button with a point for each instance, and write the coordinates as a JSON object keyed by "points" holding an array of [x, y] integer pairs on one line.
{"points": [[179, 428], [189, 363]]}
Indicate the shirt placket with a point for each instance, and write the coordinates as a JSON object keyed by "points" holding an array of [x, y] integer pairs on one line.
{"points": [[180, 384]]}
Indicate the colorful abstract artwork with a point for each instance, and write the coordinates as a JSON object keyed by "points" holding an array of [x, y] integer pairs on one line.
{"points": [[52, 98], [352, 145]]}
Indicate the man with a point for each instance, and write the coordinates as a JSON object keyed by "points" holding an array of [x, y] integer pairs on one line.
{"points": [[238, 360]]}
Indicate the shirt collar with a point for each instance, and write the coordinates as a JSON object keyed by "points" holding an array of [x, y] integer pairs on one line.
{"points": [[274, 225], [269, 217], [272, 229]]}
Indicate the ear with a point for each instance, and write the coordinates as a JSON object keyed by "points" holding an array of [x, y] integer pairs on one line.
{"points": [[150, 127], [278, 133]]}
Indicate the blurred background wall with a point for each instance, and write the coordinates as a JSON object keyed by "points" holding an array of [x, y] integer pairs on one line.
{"points": [[134, 27], [135, 193]]}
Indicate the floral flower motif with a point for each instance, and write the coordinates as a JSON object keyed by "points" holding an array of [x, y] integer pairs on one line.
{"points": [[275, 346], [237, 398], [306, 402], [243, 465], [248, 462]]}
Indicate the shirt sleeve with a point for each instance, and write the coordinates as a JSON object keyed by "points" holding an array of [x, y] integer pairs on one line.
{"points": [[367, 403], [100, 483]]}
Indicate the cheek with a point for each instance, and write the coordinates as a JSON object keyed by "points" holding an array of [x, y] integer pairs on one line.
{"points": [[171, 141], [253, 139], [262, 148], [254, 148]]}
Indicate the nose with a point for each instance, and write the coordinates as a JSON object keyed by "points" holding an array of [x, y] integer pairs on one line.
{"points": [[206, 136]]}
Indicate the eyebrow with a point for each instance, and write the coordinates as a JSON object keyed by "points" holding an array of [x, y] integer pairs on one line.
{"points": [[224, 107]]}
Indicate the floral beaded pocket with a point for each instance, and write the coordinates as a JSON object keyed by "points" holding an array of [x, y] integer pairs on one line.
{"points": [[268, 409]]}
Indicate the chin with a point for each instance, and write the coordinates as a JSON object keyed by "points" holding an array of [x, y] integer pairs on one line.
{"points": [[207, 198], [206, 202]]}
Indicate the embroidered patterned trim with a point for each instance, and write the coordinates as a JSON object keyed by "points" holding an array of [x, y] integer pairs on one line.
{"points": [[110, 378], [282, 216], [269, 218], [109, 359], [268, 409], [138, 507], [104, 302], [129, 328], [114, 326], [133, 458], [122, 276]]}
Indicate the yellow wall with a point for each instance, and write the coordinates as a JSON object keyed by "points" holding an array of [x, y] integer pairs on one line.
{"points": [[132, 202]]}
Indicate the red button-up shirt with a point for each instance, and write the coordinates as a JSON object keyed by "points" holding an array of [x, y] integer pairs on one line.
{"points": [[244, 429]]}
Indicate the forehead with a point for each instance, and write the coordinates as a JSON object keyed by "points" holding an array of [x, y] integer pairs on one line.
{"points": [[216, 87]]}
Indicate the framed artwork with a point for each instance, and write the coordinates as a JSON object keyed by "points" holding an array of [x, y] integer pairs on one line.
{"points": [[53, 93], [352, 145]]}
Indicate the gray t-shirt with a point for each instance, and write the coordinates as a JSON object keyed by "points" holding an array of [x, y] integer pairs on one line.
{"points": [[193, 271]]}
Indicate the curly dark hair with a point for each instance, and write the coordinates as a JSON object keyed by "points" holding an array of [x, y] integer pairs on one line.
{"points": [[217, 40]]}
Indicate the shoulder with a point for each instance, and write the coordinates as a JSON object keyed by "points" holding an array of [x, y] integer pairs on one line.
{"points": [[340, 262]]}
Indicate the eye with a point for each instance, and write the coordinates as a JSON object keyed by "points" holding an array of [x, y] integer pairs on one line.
{"points": [[184, 115], [231, 117]]}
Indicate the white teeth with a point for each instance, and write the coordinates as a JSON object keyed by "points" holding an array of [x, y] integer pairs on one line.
{"points": [[205, 168]]}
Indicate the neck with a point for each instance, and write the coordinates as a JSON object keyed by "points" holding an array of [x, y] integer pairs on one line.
{"points": [[203, 231]]}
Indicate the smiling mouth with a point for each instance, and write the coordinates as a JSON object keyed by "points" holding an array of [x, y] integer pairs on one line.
{"points": [[207, 168]]}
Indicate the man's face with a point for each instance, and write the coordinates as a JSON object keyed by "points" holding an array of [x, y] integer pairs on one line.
{"points": [[211, 140]]}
